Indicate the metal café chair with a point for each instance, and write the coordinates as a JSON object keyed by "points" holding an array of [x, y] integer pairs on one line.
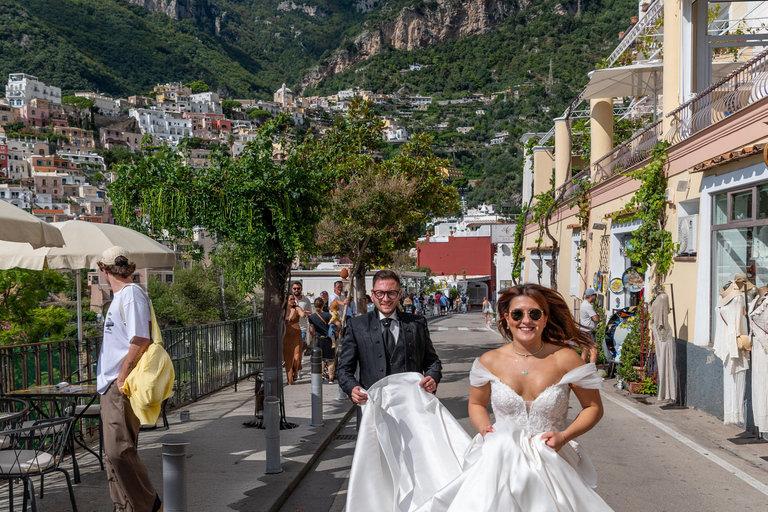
{"points": [[87, 412], [32, 451]]}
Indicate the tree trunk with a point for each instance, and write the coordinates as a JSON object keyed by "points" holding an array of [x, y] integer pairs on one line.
{"points": [[223, 299], [274, 296], [359, 284]]}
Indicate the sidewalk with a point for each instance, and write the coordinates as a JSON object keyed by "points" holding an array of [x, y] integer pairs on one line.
{"points": [[225, 461]]}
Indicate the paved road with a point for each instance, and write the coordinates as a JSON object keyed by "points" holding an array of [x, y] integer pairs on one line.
{"points": [[647, 457]]}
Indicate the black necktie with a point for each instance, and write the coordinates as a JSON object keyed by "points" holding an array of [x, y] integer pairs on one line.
{"points": [[386, 334]]}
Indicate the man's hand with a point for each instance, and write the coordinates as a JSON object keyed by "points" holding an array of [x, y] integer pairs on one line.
{"points": [[358, 395], [120, 383], [429, 384]]}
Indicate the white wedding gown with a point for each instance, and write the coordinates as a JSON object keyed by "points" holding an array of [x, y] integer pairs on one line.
{"points": [[413, 456]]}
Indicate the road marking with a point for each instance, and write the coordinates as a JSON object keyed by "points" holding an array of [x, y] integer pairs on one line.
{"points": [[441, 328], [463, 328], [693, 445]]}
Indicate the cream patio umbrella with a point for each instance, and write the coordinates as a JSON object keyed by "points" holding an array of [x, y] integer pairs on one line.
{"points": [[16, 225], [84, 243]]}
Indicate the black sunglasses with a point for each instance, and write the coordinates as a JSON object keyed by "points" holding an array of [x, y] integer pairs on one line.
{"points": [[533, 314]]}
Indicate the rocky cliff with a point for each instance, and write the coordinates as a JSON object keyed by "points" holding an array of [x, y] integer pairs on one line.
{"points": [[176, 9], [415, 27]]}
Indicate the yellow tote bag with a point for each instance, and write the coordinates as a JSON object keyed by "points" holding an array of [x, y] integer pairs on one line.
{"points": [[151, 381]]}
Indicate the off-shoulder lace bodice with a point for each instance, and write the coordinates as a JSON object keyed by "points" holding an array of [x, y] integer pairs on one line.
{"points": [[548, 411]]}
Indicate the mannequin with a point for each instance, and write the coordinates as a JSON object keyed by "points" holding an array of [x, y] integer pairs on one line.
{"points": [[729, 324], [758, 319], [665, 345]]}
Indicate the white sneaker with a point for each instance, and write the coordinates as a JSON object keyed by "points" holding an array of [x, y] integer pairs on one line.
{"points": [[298, 375]]}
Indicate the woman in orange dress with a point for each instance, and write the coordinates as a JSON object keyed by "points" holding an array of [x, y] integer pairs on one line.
{"points": [[292, 340]]}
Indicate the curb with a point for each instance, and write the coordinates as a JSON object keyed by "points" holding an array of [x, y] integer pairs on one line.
{"points": [[280, 501]]}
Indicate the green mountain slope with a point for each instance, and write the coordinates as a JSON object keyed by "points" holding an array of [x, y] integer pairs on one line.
{"points": [[120, 49]]}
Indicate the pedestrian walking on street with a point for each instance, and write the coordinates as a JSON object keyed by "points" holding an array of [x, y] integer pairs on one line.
{"points": [[319, 324], [588, 319], [385, 342], [443, 304], [305, 311], [487, 312], [324, 296], [126, 336], [292, 340]]}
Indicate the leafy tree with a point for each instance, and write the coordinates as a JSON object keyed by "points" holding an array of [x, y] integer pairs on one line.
{"points": [[195, 297], [376, 203], [118, 155], [198, 86], [266, 204], [21, 292], [77, 102], [259, 114], [229, 106]]}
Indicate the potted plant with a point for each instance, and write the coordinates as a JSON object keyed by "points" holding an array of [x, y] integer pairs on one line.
{"points": [[621, 35], [644, 6], [464, 274], [630, 357], [634, 20]]}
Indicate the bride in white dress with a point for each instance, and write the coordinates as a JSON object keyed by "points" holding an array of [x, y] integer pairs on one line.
{"points": [[413, 456]]}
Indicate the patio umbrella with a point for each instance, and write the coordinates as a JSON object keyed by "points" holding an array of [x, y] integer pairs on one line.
{"points": [[85, 241], [16, 225]]}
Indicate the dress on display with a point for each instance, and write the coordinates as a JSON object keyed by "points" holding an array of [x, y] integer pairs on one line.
{"points": [[665, 347], [758, 318], [728, 325], [413, 456]]}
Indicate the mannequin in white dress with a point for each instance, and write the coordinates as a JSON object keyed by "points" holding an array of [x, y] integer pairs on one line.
{"points": [[758, 319], [664, 343], [413, 456], [729, 324]]}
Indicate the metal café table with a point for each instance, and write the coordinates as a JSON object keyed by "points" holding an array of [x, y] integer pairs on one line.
{"points": [[12, 416], [60, 397]]}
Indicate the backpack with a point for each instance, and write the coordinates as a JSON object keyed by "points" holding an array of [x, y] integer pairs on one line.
{"points": [[151, 381]]}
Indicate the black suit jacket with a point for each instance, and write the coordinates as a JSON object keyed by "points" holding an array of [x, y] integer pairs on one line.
{"points": [[362, 345]]}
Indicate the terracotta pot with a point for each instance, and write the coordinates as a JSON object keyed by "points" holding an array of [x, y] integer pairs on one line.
{"points": [[632, 387], [621, 36], [644, 7], [634, 19]]}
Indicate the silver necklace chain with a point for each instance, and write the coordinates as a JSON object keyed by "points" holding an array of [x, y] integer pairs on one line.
{"points": [[528, 355]]}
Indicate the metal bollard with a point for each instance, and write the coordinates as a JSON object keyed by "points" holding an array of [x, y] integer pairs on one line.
{"points": [[174, 475], [317, 387], [272, 434]]}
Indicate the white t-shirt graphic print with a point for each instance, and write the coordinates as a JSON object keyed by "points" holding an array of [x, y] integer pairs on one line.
{"points": [[117, 336]]}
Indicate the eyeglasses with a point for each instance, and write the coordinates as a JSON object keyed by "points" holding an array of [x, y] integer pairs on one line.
{"points": [[533, 314], [391, 294], [296, 289]]}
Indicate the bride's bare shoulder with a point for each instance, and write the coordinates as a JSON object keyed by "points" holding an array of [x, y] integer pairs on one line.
{"points": [[491, 358], [567, 358]]}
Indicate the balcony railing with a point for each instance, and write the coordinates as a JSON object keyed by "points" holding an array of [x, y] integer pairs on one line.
{"points": [[628, 154], [741, 88]]}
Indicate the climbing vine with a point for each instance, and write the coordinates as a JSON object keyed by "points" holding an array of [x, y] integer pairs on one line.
{"points": [[651, 243], [522, 221], [541, 208], [582, 200]]}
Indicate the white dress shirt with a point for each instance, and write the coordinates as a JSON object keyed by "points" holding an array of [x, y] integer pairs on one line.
{"points": [[394, 327]]}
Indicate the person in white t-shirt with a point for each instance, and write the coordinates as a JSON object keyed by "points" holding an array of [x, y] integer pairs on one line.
{"points": [[588, 319], [126, 337]]}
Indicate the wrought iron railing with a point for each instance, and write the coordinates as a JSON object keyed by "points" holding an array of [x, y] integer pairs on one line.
{"points": [[571, 187], [741, 88], [206, 358], [210, 357], [628, 154]]}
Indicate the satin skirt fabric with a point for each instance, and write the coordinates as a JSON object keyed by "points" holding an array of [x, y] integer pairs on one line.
{"points": [[413, 456]]}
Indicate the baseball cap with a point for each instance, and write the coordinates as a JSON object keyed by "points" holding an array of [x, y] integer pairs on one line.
{"points": [[109, 256], [590, 292]]}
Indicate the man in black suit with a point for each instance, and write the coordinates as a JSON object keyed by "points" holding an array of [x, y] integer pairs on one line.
{"points": [[384, 342]]}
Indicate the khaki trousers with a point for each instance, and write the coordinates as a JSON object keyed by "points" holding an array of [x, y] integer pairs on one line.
{"points": [[129, 484]]}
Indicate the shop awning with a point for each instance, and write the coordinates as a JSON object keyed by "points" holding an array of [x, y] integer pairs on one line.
{"points": [[639, 79]]}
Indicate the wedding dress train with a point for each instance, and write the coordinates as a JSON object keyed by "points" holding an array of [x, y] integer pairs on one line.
{"points": [[413, 456]]}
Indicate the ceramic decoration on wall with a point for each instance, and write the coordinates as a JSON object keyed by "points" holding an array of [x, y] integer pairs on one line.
{"points": [[616, 286], [633, 280]]}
